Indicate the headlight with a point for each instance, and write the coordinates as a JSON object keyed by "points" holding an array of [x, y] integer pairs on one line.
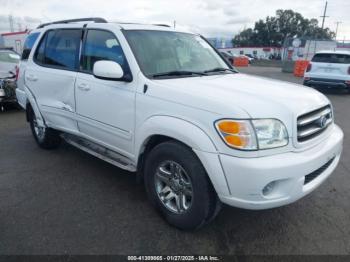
{"points": [[238, 134], [270, 133], [252, 134]]}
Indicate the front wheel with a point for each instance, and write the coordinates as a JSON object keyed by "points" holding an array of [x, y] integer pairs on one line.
{"points": [[46, 138], [178, 186]]}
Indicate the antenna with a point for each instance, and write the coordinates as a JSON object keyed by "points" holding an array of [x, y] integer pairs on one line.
{"points": [[324, 14]]}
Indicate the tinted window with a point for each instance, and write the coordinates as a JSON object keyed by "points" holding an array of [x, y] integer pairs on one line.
{"points": [[9, 57], [332, 58], [60, 48], [28, 45], [101, 45]]}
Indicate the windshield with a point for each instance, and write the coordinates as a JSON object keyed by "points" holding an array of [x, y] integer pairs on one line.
{"points": [[161, 52]]}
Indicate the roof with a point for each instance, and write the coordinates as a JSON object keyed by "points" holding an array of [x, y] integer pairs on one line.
{"points": [[341, 52]]}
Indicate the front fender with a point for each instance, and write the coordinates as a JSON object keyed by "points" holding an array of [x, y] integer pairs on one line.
{"points": [[176, 128], [191, 135]]}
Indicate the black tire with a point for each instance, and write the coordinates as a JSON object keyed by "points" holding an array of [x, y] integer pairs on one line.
{"points": [[48, 139], [205, 204]]}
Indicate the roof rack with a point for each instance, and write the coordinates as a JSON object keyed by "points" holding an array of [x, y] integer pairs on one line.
{"points": [[89, 19], [130, 23], [162, 25]]}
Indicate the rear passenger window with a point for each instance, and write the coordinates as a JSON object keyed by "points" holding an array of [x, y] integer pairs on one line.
{"points": [[332, 58], [101, 45], [28, 45], [60, 49]]}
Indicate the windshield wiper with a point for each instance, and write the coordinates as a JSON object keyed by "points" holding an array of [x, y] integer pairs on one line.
{"points": [[178, 73], [220, 69]]}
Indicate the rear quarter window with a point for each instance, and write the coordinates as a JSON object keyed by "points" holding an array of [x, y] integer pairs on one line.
{"points": [[59, 49], [332, 58], [28, 45]]}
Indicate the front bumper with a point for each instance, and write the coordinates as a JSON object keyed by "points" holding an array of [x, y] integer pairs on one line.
{"points": [[247, 177]]}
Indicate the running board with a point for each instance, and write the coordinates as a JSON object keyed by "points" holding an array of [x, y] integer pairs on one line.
{"points": [[101, 152]]}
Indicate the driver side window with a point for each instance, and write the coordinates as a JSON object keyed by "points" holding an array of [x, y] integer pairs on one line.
{"points": [[101, 45]]}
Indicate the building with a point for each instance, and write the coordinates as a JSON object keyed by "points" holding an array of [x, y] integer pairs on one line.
{"points": [[14, 40], [258, 52], [221, 42]]}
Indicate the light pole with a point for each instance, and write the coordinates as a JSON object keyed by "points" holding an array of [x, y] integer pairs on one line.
{"points": [[336, 29]]}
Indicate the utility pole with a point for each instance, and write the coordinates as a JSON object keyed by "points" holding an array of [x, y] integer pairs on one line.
{"points": [[11, 23], [324, 14], [336, 29]]}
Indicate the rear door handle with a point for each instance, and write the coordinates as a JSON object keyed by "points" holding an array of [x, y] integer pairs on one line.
{"points": [[84, 87], [32, 78]]}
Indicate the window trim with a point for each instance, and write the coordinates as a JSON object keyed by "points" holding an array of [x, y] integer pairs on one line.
{"points": [[31, 49], [77, 58], [83, 45]]}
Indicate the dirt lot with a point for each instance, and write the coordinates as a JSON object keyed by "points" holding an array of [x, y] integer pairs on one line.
{"points": [[68, 202]]}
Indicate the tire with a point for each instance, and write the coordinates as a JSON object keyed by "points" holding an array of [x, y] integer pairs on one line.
{"points": [[46, 138], [200, 203]]}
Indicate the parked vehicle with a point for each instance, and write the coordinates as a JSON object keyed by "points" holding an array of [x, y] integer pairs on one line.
{"points": [[7, 91], [8, 62], [329, 69], [250, 57], [165, 104], [8, 66], [228, 56]]}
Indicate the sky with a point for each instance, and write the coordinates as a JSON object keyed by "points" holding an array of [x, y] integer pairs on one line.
{"points": [[211, 18]]}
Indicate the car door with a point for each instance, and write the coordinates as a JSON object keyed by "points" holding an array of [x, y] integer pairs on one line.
{"points": [[105, 108], [51, 74]]}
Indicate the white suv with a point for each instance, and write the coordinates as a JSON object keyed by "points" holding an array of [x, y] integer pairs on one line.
{"points": [[167, 105], [329, 69]]}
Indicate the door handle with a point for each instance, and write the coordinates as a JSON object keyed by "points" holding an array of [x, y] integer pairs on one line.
{"points": [[32, 78], [84, 87], [66, 107]]}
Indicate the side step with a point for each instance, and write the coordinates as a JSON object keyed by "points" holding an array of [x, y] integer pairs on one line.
{"points": [[101, 152]]}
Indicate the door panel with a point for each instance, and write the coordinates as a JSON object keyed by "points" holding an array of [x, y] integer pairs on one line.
{"points": [[105, 109], [51, 78]]}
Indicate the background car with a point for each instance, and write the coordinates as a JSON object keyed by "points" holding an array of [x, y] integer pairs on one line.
{"points": [[329, 69], [8, 69], [228, 56], [8, 62]]}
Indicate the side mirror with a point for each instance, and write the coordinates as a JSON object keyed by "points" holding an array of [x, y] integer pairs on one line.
{"points": [[108, 70]]}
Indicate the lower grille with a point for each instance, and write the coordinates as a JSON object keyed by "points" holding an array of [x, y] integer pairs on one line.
{"points": [[318, 172]]}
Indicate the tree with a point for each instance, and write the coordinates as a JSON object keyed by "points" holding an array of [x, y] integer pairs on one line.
{"points": [[274, 30]]}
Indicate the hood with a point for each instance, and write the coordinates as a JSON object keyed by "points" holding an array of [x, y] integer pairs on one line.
{"points": [[232, 94]]}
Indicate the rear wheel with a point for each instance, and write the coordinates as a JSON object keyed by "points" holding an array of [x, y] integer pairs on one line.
{"points": [[46, 138], [178, 186]]}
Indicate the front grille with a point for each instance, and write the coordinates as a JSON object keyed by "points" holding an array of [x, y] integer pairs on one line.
{"points": [[318, 172], [314, 123]]}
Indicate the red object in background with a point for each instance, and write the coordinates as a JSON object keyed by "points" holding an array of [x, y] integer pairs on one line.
{"points": [[300, 67], [17, 73], [241, 62]]}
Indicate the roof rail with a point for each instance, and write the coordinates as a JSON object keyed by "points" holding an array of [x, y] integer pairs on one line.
{"points": [[162, 25], [89, 19]]}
